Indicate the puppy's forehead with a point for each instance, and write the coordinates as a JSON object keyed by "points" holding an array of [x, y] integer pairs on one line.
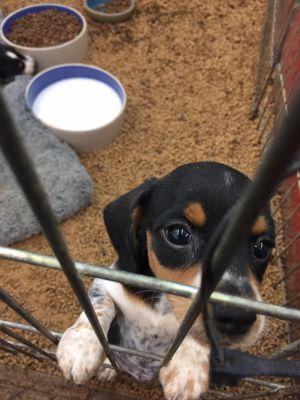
{"points": [[197, 191]]}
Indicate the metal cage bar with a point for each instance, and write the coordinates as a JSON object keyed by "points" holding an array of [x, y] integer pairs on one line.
{"points": [[28, 328], [145, 282], [23, 340], [14, 305], [23, 169], [267, 179], [268, 168]]}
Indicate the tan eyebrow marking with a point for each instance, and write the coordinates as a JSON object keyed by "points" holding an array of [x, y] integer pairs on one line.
{"points": [[195, 213], [260, 226]]}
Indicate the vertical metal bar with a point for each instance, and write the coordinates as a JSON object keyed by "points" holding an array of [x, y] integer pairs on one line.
{"points": [[12, 303], [271, 172], [23, 169], [276, 161], [263, 48]]}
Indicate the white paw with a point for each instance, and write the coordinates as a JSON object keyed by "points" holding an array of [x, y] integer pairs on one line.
{"points": [[105, 373], [79, 353], [186, 377]]}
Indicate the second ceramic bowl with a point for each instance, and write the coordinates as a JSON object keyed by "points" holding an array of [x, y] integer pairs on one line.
{"points": [[72, 51]]}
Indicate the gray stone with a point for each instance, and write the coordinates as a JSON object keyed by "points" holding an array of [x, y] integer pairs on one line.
{"points": [[68, 185]]}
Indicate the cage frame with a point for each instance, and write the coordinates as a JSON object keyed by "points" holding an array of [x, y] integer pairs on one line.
{"points": [[258, 194]]}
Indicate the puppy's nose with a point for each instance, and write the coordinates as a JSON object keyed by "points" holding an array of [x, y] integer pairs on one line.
{"points": [[233, 321]]}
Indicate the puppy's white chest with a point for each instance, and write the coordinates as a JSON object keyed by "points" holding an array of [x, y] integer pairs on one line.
{"points": [[142, 328], [145, 337]]}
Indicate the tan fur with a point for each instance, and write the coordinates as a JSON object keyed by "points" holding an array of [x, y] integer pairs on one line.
{"points": [[260, 226], [195, 213], [188, 276]]}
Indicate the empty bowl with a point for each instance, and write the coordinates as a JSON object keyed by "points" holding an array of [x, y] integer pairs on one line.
{"points": [[70, 51], [96, 10], [82, 104]]}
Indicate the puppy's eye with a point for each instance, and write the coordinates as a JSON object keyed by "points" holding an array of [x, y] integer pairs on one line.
{"points": [[262, 250], [178, 235]]}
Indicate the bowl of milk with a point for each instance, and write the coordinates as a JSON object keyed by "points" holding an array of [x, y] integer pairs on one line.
{"points": [[81, 104]]}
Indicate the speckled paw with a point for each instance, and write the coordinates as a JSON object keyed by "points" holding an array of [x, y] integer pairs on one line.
{"points": [[186, 377], [79, 354]]}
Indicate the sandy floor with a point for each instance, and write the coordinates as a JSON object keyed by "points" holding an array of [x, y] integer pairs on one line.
{"points": [[188, 68]]}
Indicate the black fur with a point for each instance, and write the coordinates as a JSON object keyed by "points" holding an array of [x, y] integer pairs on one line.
{"points": [[10, 67]]}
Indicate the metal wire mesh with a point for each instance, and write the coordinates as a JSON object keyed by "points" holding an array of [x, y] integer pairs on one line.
{"points": [[277, 80]]}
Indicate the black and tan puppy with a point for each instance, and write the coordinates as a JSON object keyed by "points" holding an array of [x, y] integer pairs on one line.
{"points": [[161, 229]]}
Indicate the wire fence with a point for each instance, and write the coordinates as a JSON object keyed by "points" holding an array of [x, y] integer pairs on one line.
{"points": [[277, 82]]}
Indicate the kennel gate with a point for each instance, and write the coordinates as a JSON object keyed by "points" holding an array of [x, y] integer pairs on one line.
{"points": [[278, 76]]}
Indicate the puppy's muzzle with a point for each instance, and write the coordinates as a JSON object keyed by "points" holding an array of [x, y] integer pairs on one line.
{"points": [[233, 321]]}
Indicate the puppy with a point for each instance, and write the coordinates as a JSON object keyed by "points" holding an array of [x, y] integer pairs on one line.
{"points": [[161, 229], [13, 63]]}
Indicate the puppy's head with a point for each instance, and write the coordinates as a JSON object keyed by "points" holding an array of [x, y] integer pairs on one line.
{"points": [[162, 228]]}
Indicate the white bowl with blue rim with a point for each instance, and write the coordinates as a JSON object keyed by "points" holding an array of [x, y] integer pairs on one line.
{"points": [[95, 9], [81, 104], [71, 51]]}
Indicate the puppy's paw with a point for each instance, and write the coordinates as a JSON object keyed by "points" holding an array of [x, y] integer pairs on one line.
{"points": [[79, 353], [186, 377], [106, 374]]}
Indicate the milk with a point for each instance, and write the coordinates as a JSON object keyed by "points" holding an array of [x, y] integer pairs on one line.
{"points": [[77, 104]]}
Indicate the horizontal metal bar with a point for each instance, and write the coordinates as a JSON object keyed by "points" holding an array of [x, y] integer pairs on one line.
{"points": [[8, 349], [23, 340], [24, 327], [23, 169], [22, 348], [119, 349], [19, 348], [259, 382], [103, 272], [268, 309], [290, 350], [146, 282], [13, 304]]}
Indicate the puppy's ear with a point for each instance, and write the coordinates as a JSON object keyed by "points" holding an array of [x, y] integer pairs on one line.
{"points": [[124, 223]]}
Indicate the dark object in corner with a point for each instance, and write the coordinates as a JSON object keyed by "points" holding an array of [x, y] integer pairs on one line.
{"points": [[238, 365]]}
